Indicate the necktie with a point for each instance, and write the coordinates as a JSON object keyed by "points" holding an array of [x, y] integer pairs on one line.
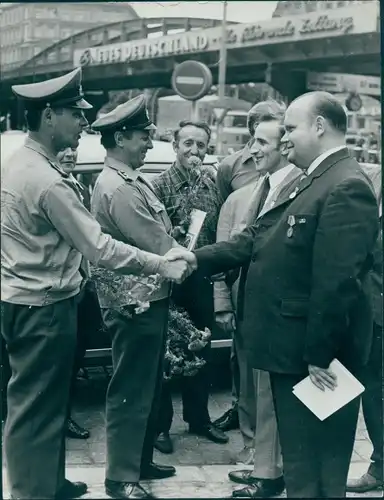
{"points": [[265, 188]]}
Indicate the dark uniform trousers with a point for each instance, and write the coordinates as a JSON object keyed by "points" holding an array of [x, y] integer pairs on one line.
{"points": [[133, 396], [41, 343], [372, 379], [89, 329], [195, 295], [310, 445]]}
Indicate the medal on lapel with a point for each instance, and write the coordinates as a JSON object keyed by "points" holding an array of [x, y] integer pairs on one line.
{"points": [[292, 195], [291, 222]]}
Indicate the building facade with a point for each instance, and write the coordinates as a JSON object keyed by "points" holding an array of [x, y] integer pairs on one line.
{"points": [[28, 28]]}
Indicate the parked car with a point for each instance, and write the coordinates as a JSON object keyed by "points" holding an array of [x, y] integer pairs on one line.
{"points": [[90, 162]]}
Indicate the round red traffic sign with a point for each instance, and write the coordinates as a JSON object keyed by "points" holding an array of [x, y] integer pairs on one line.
{"points": [[191, 80]]}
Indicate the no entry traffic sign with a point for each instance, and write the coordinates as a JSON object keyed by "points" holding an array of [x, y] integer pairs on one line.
{"points": [[191, 80]]}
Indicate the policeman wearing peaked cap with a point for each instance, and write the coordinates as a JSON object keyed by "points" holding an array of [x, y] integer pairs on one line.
{"points": [[46, 232], [127, 208], [130, 115], [62, 92]]}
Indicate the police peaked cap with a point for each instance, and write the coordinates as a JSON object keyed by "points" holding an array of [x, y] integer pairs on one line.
{"points": [[62, 92], [131, 115]]}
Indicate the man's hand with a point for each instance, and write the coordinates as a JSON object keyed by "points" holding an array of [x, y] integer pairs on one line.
{"points": [[226, 321], [177, 270], [178, 253], [219, 277], [322, 377]]}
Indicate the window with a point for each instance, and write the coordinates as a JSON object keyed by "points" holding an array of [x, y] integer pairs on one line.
{"points": [[80, 16], [65, 16], [239, 121], [27, 32], [19, 34], [360, 122], [65, 33]]}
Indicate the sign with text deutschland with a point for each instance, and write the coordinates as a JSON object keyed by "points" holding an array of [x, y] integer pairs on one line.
{"points": [[339, 22]]}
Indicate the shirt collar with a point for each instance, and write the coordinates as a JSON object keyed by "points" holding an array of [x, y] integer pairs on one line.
{"points": [[181, 173], [321, 158], [119, 165], [39, 148], [277, 177], [75, 181], [247, 151]]}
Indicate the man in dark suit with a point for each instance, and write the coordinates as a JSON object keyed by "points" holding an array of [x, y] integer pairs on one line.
{"points": [[372, 376], [305, 296]]}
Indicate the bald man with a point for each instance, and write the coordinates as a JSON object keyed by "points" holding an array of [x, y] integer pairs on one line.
{"points": [[306, 291]]}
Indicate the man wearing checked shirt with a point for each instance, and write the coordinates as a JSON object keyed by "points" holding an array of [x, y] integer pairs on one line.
{"points": [[196, 295]]}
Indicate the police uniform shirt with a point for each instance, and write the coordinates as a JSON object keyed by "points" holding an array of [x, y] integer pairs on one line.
{"points": [[127, 208], [45, 230]]}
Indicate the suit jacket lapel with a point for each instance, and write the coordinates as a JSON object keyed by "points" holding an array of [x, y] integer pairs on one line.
{"points": [[254, 202], [290, 192], [288, 179]]}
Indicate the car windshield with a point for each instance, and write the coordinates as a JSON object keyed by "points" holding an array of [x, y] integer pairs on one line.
{"points": [[91, 152]]}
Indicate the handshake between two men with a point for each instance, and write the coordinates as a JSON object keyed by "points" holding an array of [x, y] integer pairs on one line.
{"points": [[178, 264]]}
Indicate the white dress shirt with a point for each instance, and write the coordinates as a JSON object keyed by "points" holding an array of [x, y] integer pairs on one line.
{"points": [[316, 162], [275, 180]]}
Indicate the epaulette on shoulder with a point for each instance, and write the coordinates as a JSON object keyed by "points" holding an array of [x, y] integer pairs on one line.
{"points": [[124, 176], [59, 169]]}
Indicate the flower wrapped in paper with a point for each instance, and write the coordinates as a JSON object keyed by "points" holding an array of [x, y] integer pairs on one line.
{"points": [[184, 342], [188, 202], [132, 294], [119, 291]]}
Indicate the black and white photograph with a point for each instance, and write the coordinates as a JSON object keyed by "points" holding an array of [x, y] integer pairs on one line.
{"points": [[191, 250]]}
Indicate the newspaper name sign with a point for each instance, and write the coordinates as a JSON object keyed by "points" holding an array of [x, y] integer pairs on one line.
{"points": [[340, 22]]}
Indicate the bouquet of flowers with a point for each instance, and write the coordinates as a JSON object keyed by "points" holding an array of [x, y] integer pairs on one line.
{"points": [[184, 340], [190, 198], [125, 290], [183, 343]]}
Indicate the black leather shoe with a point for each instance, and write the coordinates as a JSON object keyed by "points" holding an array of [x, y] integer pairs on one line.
{"points": [[156, 471], [262, 488], [71, 490], [117, 489], [242, 476], [74, 430], [164, 443], [365, 483], [228, 421], [210, 432]]}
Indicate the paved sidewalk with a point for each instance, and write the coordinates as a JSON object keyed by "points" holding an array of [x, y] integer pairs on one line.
{"points": [[202, 466]]}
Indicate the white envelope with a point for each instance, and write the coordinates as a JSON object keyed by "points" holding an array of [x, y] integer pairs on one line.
{"points": [[325, 403]]}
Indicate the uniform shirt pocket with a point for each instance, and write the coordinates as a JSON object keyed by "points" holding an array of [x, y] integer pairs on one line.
{"points": [[160, 213]]}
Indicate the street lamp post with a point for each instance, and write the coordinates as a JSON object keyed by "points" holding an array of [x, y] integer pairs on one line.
{"points": [[222, 71]]}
